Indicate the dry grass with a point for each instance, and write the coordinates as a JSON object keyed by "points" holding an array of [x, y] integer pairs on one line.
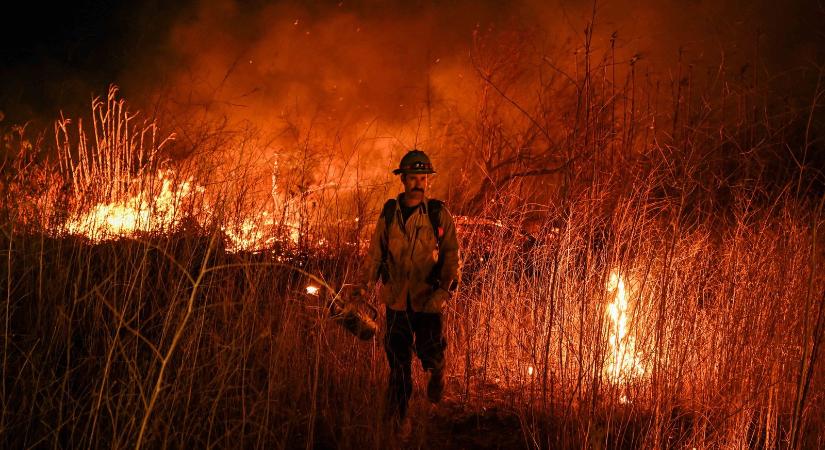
{"points": [[172, 342]]}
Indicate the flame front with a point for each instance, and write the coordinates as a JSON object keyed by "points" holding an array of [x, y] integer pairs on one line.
{"points": [[148, 210], [622, 362], [160, 204]]}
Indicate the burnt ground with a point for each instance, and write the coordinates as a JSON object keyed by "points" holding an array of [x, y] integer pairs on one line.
{"points": [[450, 425], [492, 423], [456, 424]]}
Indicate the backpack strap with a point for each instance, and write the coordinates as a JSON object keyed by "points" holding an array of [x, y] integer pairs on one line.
{"points": [[434, 208], [434, 211], [388, 214]]}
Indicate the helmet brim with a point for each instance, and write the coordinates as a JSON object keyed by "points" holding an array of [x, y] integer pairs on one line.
{"points": [[413, 171]]}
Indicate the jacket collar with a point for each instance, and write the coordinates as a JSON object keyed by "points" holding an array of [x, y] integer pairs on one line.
{"points": [[421, 206]]}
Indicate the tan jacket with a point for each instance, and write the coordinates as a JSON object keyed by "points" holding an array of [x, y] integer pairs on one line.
{"points": [[411, 251]]}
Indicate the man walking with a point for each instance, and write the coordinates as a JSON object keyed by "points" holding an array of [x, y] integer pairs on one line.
{"points": [[414, 252]]}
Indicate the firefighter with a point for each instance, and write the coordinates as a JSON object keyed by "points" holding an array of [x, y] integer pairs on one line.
{"points": [[414, 253]]}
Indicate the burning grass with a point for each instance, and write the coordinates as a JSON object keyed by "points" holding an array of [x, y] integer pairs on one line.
{"points": [[678, 328]]}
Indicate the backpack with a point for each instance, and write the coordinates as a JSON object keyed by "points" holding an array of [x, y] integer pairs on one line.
{"points": [[434, 208]]}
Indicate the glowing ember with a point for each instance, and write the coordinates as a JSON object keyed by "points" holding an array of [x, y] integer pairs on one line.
{"points": [[250, 234], [622, 363], [312, 290]]}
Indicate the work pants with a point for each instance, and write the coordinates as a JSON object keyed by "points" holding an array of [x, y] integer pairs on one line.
{"points": [[409, 331]]}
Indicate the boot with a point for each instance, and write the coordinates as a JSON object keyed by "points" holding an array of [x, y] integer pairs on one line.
{"points": [[435, 388], [404, 429]]}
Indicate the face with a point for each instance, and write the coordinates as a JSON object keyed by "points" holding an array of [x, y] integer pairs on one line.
{"points": [[414, 186]]}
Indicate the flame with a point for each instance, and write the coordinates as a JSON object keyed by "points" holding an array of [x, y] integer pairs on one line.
{"points": [[155, 208], [530, 370], [159, 205], [250, 234], [312, 290], [120, 190], [622, 362], [259, 232]]}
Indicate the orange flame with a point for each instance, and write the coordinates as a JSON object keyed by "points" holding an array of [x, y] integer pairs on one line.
{"points": [[154, 209], [160, 206], [312, 290], [622, 362]]}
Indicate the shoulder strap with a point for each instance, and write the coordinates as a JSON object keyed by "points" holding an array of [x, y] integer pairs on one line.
{"points": [[388, 213], [434, 208], [434, 211]]}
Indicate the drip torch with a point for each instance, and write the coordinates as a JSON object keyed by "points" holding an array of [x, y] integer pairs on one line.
{"points": [[351, 312]]}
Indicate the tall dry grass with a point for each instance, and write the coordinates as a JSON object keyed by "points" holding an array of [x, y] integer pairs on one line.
{"points": [[172, 342]]}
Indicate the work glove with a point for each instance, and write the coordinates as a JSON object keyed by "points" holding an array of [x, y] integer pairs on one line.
{"points": [[435, 303]]}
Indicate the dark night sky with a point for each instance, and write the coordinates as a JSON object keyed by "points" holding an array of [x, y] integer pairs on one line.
{"points": [[56, 56]]}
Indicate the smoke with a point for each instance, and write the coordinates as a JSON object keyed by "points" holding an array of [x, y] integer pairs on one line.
{"points": [[346, 64], [363, 59], [383, 75], [354, 62], [363, 75]]}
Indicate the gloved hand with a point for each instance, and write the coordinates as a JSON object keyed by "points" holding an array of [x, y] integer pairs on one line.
{"points": [[435, 304]]}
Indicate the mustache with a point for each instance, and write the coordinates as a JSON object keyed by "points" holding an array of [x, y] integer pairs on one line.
{"points": [[418, 190]]}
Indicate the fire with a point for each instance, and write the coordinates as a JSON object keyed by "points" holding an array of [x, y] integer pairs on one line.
{"points": [[160, 204], [250, 234], [622, 362], [119, 188], [155, 208], [312, 290]]}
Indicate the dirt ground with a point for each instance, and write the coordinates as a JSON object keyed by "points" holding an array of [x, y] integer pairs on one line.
{"points": [[449, 427], [453, 425]]}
